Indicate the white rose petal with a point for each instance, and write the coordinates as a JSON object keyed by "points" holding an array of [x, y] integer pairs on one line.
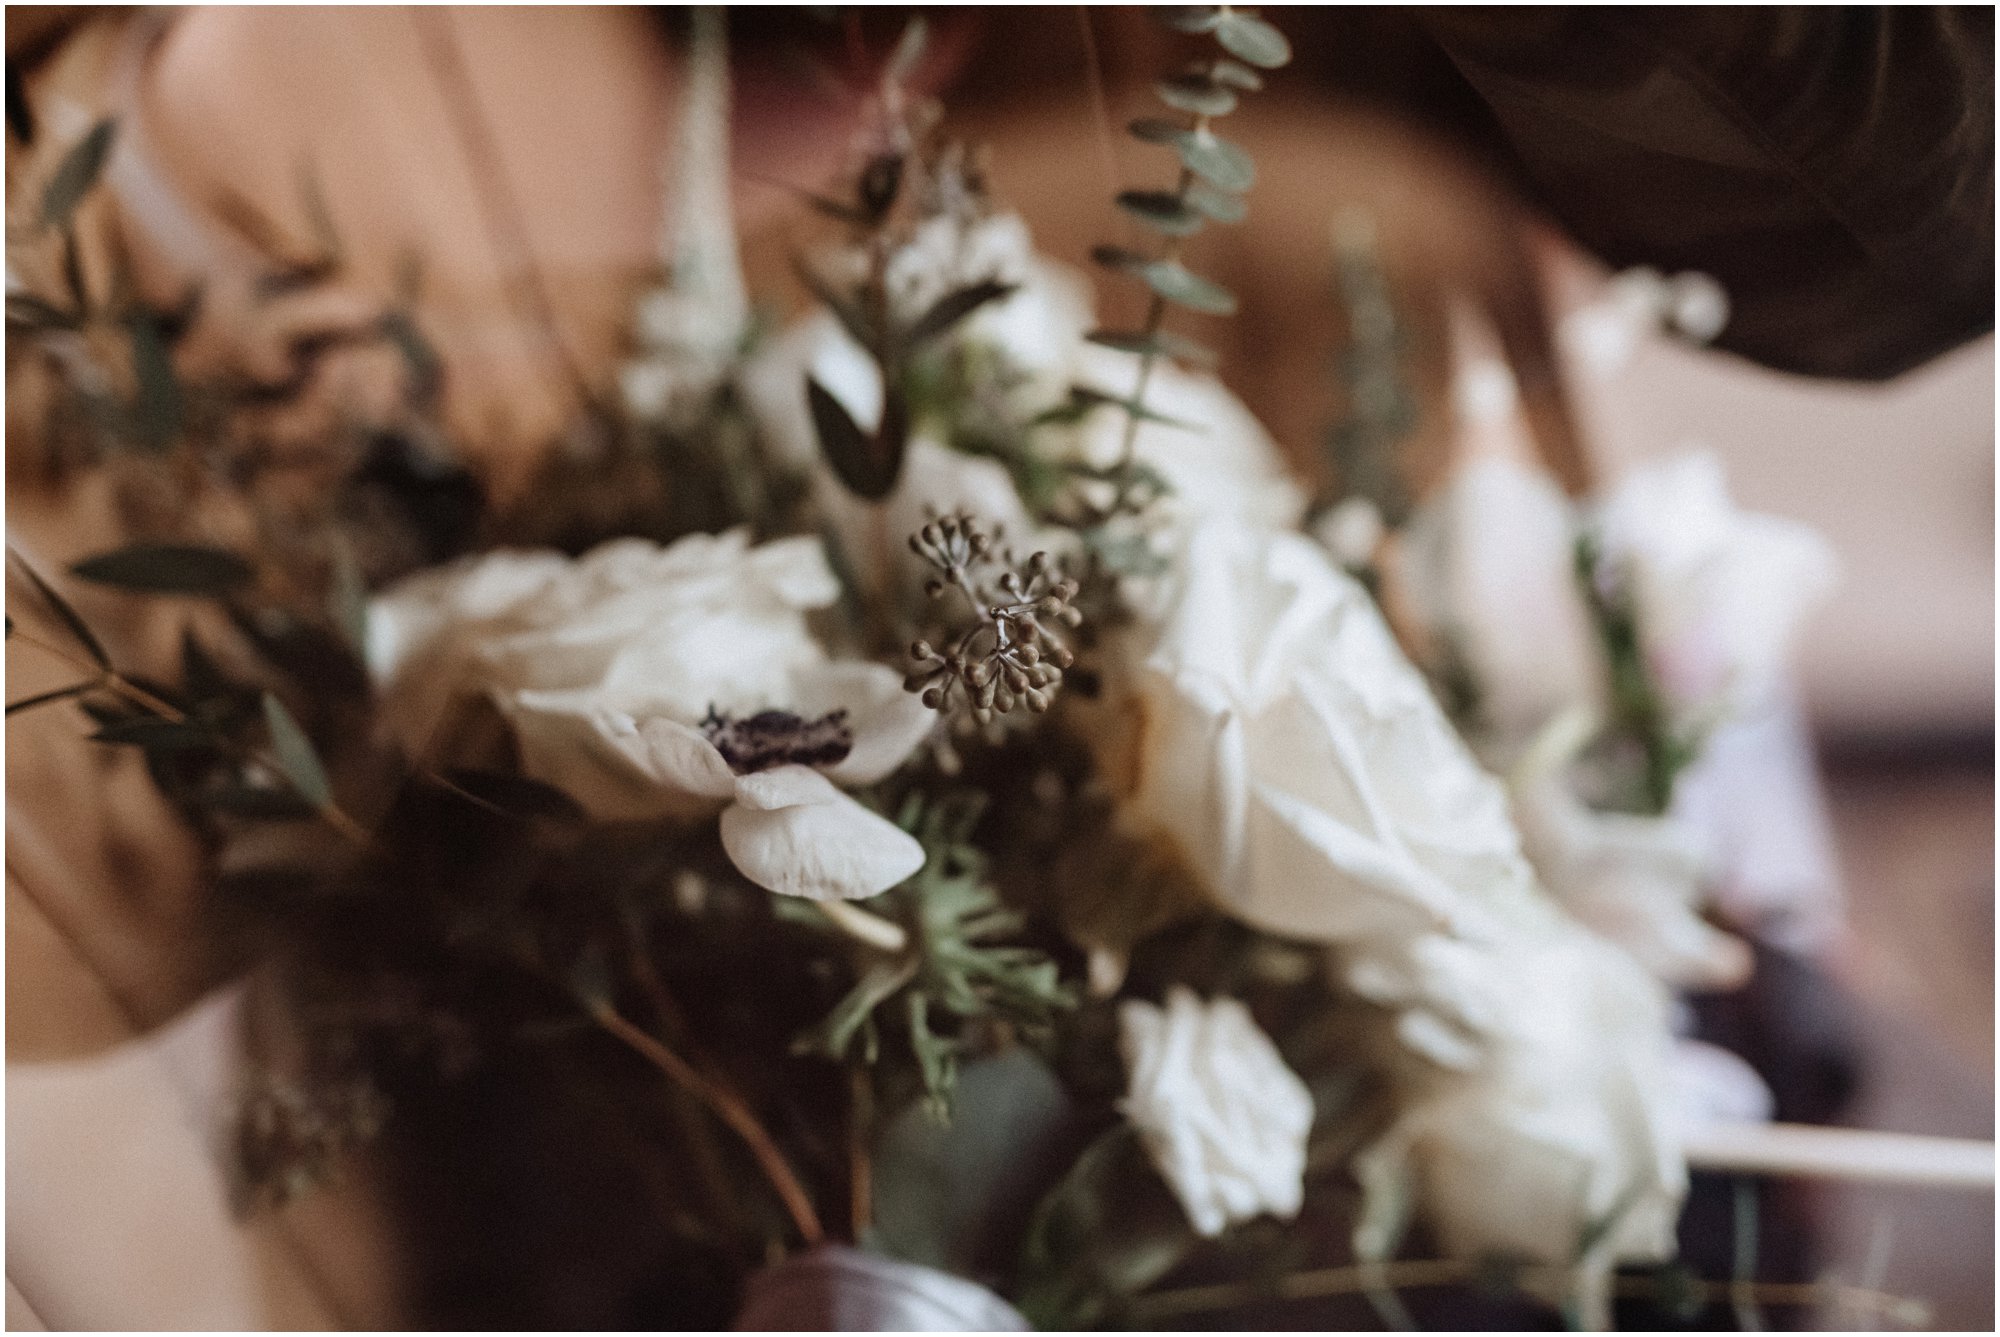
{"points": [[791, 831], [1220, 1114]]}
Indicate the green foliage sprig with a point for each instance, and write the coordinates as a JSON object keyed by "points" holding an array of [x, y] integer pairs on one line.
{"points": [[1379, 408], [1214, 174]]}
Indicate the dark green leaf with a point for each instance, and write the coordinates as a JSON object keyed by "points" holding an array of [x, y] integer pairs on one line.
{"points": [[152, 733], [1250, 38], [295, 756], [1196, 94], [1108, 1230], [1160, 343], [1162, 211], [61, 608], [1217, 161], [867, 463], [59, 694], [953, 307], [1179, 284], [1120, 258], [1187, 18], [157, 407], [1236, 76], [167, 568], [1220, 205], [946, 1194], [76, 174], [1157, 130]]}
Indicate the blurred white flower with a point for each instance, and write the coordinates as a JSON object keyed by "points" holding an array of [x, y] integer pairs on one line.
{"points": [[1720, 593], [1220, 1114], [1352, 531], [1563, 1133], [651, 682], [1487, 570]]}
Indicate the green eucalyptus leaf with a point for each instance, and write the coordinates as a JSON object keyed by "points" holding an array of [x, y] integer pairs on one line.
{"points": [[868, 463], [1187, 18], [1217, 161], [62, 609], [1158, 130], [1163, 211], [1183, 287], [1220, 205], [955, 306], [1196, 93], [295, 756], [76, 174], [1160, 343], [167, 568], [1120, 258], [1108, 1230], [157, 408], [1251, 39], [947, 1194], [1236, 76]]}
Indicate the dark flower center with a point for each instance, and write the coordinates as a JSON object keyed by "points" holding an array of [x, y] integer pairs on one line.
{"points": [[778, 738]]}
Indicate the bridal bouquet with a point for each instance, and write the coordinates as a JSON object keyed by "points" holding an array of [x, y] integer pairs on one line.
{"points": [[957, 774]]}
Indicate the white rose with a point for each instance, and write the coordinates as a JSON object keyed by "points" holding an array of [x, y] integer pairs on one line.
{"points": [[1302, 769], [1566, 1128], [651, 682], [1294, 757], [1221, 1116], [1487, 569], [1720, 593]]}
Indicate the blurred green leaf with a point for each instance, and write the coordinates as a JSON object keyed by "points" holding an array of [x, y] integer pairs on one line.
{"points": [[947, 1194], [1158, 130], [152, 733], [347, 599], [167, 568], [1186, 18], [158, 406], [61, 608], [1160, 343], [1182, 286], [1163, 211], [1220, 205], [955, 306], [76, 174], [867, 463], [295, 756], [1217, 161], [1251, 39], [1196, 93], [1236, 76]]}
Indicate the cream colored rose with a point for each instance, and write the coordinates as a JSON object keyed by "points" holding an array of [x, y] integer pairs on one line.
{"points": [[626, 673], [1564, 1131], [1219, 1113]]}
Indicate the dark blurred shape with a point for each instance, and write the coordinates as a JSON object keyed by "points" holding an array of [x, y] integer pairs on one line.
{"points": [[1832, 166]]}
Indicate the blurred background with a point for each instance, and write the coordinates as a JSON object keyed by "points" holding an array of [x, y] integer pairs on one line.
{"points": [[519, 156]]}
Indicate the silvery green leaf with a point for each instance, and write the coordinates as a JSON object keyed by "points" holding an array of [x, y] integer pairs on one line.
{"points": [[295, 755], [1250, 38], [76, 174], [1158, 130], [1161, 343], [1179, 284], [955, 306], [1236, 76], [1163, 211], [1217, 161], [1220, 205], [167, 568], [1196, 94], [1187, 18]]}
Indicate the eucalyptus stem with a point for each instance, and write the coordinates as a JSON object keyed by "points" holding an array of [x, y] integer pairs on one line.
{"points": [[1156, 314]]}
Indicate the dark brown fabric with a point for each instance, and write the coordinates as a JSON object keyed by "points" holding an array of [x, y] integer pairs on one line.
{"points": [[1832, 166]]}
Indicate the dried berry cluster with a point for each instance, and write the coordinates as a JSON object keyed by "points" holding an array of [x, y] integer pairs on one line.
{"points": [[1007, 656]]}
